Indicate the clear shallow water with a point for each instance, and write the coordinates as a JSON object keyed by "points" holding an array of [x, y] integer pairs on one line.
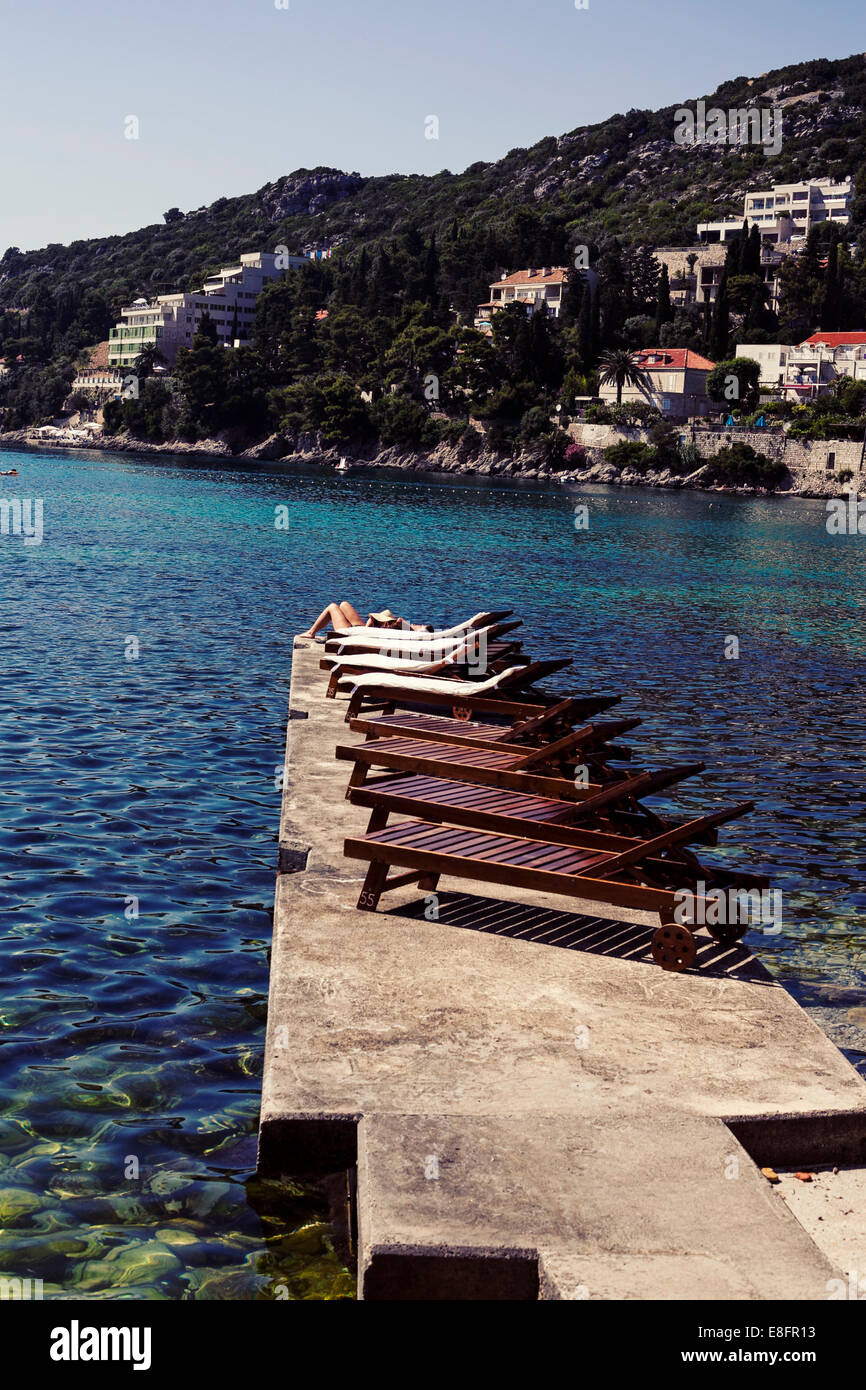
{"points": [[131, 1045]]}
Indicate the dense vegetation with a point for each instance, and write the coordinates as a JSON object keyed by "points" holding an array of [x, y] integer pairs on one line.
{"points": [[413, 255]]}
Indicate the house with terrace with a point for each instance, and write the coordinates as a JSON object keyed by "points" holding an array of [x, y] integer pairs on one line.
{"points": [[675, 383], [811, 368], [535, 289]]}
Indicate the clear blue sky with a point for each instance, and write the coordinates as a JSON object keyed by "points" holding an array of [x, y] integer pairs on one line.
{"points": [[230, 94]]}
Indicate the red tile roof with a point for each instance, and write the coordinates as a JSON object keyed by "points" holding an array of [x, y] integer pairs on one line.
{"points": [[677, 359], [837, 339], [555, 276]]}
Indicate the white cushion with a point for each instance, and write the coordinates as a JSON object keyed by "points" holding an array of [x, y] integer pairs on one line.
{"points": [[383, 636], [427, 684]]}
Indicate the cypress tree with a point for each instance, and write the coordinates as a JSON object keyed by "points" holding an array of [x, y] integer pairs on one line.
{"points": [[431, 272], [750, 257], [584, 330], [720, 326], [361, 279], [573, 296], [596, 325], [733, 259], [664, 312]]}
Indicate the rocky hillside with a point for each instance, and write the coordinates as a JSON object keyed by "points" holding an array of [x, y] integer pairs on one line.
{"points": [[625, 177]]}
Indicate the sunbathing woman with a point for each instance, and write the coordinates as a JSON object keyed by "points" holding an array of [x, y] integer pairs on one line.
{"points": [[342, 615]]}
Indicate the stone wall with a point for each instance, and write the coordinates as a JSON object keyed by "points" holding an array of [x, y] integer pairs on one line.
{"points": [[805, 459]]}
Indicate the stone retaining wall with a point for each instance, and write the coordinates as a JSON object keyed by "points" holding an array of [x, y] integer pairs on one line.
{"points": [[808, 460]]}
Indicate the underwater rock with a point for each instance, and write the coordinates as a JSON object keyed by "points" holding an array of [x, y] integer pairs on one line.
{"points": [[177, 1236], [13, 1138], [139, 1262], [17, 1205], [228, 1285], [206, 1198]]}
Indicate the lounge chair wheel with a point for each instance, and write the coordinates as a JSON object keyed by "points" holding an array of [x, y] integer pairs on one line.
{"points": [[673, 947], [727, 933]]}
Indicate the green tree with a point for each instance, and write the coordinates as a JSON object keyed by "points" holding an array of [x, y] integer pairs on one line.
{"points": [[735, 383], [201, 374]]}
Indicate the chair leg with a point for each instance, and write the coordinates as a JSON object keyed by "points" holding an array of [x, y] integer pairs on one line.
{"points": [[374, 885], [354, 706], [428, 882], [358, 777], [378, 819], [332, 685]]}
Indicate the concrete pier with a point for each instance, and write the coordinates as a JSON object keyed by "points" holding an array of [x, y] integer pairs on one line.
{"points": [[535, 1109]]}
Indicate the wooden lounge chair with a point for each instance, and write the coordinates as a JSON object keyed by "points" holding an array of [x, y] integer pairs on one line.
{"points": [[474, 699], [411, 644], [474, 644], [619, 877], [474, 654], [520, 734], [483, 619], [541, 770], [531, 816], [513, 678]]}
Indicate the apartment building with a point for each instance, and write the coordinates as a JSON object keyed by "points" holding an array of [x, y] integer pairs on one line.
{"points": [[783, 214], [170, 321], [676, 383], [787, 211], [696, 272], [810, 368], [536, 289]]}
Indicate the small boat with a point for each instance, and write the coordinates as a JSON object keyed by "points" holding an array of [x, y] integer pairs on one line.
{"points": [[343, 466], [8, 472]]}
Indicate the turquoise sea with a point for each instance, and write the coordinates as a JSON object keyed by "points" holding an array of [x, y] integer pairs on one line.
{"points": [[146, 650]]}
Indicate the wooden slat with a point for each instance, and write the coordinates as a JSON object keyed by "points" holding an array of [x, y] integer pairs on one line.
{"points": [[461, 865]]}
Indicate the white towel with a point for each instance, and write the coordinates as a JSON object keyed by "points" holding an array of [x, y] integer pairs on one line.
{"points": [[427, 685], [385, 636], [473, 646]]}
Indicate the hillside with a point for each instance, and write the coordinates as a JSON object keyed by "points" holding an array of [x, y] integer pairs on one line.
{"points": [[623, 178]]}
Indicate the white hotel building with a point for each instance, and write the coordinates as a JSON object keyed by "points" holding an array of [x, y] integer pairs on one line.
{"points": [[787, 211], [170, 321]]}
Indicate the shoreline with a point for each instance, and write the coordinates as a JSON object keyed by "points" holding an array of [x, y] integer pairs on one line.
{"points": [[442, 461]]}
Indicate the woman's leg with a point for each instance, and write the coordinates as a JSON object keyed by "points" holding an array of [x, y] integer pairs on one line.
{"points": [[333, 614], [352, 616]]}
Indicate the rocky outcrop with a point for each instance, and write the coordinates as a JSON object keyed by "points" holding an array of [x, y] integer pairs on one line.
{"points": [[307, 191]]}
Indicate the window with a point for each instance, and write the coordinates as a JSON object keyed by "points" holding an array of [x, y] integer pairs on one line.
{"points": [[831, 461]]}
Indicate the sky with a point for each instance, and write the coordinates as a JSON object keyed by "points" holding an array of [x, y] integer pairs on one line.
{"points": [[229, 95]]}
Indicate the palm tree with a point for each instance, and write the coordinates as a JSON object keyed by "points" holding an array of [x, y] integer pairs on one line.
{"points": [[149, 357], [620, 367]]}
